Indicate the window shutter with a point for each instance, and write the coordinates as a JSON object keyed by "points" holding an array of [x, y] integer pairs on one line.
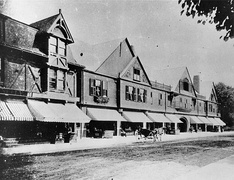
{"points": [[145, 96], [92, 87], [126, 93], [138, 95], [134, 94], [105, 88]]}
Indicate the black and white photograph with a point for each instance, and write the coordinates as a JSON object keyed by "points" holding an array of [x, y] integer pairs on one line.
{"points": [[116, 89]]}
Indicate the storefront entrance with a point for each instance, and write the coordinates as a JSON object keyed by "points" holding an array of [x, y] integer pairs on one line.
{"points": [[183, 126]]}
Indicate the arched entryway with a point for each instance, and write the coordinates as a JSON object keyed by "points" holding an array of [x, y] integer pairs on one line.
{"points": [[183, 126]]}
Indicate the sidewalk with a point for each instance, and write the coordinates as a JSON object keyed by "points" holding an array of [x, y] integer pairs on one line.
{"points": [[92, 143]]}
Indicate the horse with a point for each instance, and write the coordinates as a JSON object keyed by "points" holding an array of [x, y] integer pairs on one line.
{"points": [[146, 133], [160, 132]]}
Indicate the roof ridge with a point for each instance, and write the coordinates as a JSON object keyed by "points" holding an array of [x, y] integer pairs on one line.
{"points": [[37, 22]]}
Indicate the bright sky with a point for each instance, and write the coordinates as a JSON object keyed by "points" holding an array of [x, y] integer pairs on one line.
{"points": [[161, 36]]}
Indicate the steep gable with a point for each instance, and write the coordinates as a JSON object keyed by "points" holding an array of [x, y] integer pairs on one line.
{"points": [[93, 56], [134, 71], [55, 25], [117, 60], [208, 90], [176, 78]]}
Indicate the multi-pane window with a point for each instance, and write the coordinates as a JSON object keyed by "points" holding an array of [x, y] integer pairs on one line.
{"points": [[56, 79], [140, 95], [186, 104], [98, 88], [61, 80], [210, 107], [160, 99], [169, 100], [130, 93], [135, 94], [53, 45], [52, 79], [57, 46], [61, 48], [136, 74]]}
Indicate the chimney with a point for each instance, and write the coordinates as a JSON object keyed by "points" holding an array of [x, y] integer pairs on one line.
{"points": [[60, 11], [196, 83], [133, 50]]}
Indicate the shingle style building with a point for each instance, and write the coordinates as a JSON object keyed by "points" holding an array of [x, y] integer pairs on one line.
{"points": [[49, 83]]}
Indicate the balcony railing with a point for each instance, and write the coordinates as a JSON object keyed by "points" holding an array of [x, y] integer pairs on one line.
{"points": [[180, 106], [160, 86]]}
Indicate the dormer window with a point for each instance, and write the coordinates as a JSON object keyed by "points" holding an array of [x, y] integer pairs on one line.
{"points": [[136, 74], [57, 46], [186, 85]]}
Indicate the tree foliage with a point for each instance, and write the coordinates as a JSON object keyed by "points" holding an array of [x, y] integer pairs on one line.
{"points": [[219, 12], [225, 95]]}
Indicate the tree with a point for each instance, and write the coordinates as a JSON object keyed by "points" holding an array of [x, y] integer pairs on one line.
{"points": [[219, 12], [225, 95]]}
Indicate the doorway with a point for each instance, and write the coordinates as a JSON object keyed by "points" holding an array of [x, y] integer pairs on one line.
{"points": [[183, 126]]}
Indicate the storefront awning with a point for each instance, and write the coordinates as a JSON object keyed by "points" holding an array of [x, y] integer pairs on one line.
{"points": [[69, 113], [205, 120], [138, 117], [195, 120], [55, 112], [104, 114], [220, 121], [5, 114], [19, 110], [156, 117], [173, 118], [212, 120]]}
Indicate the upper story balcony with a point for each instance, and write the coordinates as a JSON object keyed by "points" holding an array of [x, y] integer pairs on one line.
{"points": [[181, 106], [161, 86]]}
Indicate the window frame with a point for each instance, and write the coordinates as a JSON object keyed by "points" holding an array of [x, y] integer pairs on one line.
{"points": [[54, 80], [57, 43], [136, 76]]}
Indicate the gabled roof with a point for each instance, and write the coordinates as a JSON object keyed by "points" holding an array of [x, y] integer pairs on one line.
{"points": [[94, 56], [45, 24], [131, 63], [71, 60], [116, 62], [170, 76], [207, 88], [48, 24]]}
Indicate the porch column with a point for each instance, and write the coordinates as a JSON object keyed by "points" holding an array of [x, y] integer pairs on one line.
{"points": [[144, 125], [82, 130], [176, 126], [205, 127], [118, 127]]}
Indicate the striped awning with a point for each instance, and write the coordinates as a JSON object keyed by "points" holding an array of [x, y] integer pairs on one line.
{"points": [[220, 121], [57, 112], [173, 118], [156, 117], [212, 120], [5, 113], [19, 110], [138, 117], [104, 114], [205, 120], [195, 120]]}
